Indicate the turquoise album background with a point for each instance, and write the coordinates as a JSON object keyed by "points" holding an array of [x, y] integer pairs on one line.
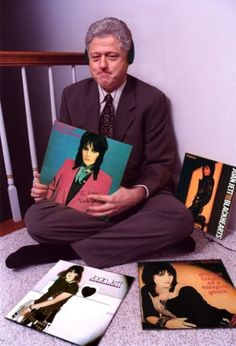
{"points": [[64, 142]]}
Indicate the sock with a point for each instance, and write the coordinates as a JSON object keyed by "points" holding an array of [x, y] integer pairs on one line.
{"points": [[40, 254]]}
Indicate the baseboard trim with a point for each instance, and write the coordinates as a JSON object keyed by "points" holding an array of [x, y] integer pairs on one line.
{"points": [[10, 226]]}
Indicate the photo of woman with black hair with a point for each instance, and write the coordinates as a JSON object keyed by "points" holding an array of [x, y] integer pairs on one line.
{"points": [[42, 311], [204, 193], [78, 178], [168, 304]]}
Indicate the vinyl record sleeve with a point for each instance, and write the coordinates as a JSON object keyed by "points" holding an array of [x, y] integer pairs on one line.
{"points": [[72, 173], [186, 294], [88, 307], [207, 188]]}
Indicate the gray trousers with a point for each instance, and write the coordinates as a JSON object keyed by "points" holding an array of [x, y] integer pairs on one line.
{"points": [[159, 222]]}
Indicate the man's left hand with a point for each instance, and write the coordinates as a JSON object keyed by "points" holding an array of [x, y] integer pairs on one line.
{"points": [[116, 203]]}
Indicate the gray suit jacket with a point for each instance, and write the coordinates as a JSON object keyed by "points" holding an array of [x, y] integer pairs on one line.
{"points": [[141, 120]]}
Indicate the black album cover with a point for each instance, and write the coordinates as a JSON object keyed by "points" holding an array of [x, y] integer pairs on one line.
{"points": [[207, 189], [186, 294]]}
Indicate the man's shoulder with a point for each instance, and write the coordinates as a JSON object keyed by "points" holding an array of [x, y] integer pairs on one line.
{"points": [[81, 86], [143, 86]]}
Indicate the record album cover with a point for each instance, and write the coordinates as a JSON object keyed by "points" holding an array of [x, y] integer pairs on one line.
{"points": [[186, 295], [72, 302], [78, 163], [207, 188]]}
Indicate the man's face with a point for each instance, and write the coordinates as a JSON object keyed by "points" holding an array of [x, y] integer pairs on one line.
{"points": [[107, 62]]}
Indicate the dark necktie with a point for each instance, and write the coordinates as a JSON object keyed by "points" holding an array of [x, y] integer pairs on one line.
{"points": [[106, 117]]}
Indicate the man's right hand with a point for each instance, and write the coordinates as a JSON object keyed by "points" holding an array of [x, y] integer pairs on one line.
{"points": [[38, 190]]}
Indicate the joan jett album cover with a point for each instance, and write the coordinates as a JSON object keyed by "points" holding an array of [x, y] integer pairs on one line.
{"points": [[79, 163], [73, 302], [186, 294], [207, 189]]}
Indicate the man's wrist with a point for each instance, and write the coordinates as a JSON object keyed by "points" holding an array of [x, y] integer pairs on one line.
{"points": [[145, 189]]}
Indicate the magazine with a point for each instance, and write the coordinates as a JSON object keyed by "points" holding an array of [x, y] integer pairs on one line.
{"points": [[78, 163], [207, 188], [186, 295], [73, 302]]}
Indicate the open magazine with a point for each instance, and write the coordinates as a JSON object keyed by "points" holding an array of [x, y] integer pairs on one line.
{"points": [[207, 189], [186, 295], [73, 302], [78, 163]]}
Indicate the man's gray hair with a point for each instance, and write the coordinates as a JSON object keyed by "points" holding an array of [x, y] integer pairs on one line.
{"points": [[110, 26]]}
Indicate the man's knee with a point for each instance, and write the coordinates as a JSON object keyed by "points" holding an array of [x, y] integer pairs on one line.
{"points": [[33, 222]]}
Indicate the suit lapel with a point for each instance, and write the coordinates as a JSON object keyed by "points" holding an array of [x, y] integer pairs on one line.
{"points": [[90, 114], [125, 114]]}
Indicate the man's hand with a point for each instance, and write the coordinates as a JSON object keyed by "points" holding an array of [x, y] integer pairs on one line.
{"points": [[120, 201], [38, 190]]}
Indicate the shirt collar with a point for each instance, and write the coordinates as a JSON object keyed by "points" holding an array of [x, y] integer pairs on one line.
{"points": [[116, 94]]}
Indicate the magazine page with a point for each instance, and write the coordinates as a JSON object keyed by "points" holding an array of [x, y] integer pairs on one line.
{"points": [[186, 295], [73, 302], [78, 163], [207, 188]]}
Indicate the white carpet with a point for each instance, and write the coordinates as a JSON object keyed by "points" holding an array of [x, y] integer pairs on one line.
{"points": [[125, 329]]}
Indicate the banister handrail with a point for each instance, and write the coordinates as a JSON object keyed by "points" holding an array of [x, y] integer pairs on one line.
{"points": [[22, 60], [36, 58]]}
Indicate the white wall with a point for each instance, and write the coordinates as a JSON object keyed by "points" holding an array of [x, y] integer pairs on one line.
{"points": [[188, 49], [185, 47]]}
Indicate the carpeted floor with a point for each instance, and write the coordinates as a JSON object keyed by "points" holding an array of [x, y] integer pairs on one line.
{"points": [[125, 329]]}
